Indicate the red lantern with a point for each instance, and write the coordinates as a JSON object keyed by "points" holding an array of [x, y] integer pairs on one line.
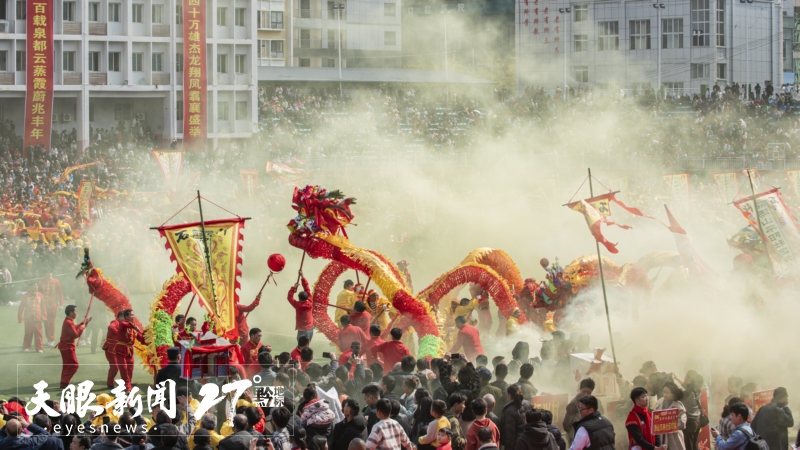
{"points": [[276, 262]]}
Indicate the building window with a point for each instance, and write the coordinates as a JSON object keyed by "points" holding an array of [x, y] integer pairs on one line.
{"points": [[138, 12], [580, 74], [700, 71], [94, 61], [158, 11], [330, 62], [240, 64], [91, 112], [263, 49], [178, 14], [608, 38], [305, 9], [157, 59], [305, 38], [114, 61], [222, 110], [581, 42], [22, 8], [241, 110], [276, 49], [722, 71], [720, 23], [179, 110], [21, 60], [222, 17], [68, 61], [390, 9], [113, 12], [701, 23], [580, 13], [3, 61], [672, 33], [123, 111], [68, 11], [136, 62], [674, 86], [178, 62], [332, 39], [239, 15], [640, 35], [390, 63], [276, 20], [222, 63], [305, 62], [389, 38], [262, 20], [94, 11]]}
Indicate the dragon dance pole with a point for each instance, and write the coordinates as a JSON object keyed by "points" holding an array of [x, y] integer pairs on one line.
{"points": [[758, 216], [603, 282], [207, 254]]}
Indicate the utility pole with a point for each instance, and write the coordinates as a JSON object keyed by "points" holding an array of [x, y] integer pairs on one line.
{"points": [[339, 8]]}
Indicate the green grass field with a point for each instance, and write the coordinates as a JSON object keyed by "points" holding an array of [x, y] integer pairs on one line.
{"points": [[19, 371]]}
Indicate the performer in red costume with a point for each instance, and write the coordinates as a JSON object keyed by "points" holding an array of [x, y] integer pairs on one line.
{"points": [[484, 313], [360, 318], [241, 317], [69, 333], [304, 320], [393, 351], [375, 340], [469, 337], [32, 311], [250, 352], [112, 335], [350, 333], [53, 298], [122, 348]]}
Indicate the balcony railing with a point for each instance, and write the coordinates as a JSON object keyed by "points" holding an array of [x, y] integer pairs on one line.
{"points": [[160, 78], [72, 78], [98, 78], [98, 29], [318, 14], [160, 30], [72, 28], [6, 77], [320, 43]]}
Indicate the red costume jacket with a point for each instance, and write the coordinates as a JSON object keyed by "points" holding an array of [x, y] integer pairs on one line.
{"points": [[69, 332], [304, 321], [111, 334], [241, 320], [361, 320], [31, 308], [349, 334], [127, 335], [470, 339], [393, 352], [367, 348], [51, 291], [250, 352]]}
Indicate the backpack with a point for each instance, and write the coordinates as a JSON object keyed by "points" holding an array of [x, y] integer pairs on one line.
{"points": [[754, 442]]}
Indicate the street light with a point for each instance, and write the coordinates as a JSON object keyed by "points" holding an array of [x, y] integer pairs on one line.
{"points": [[659, 7], [566, 12], [339, 8]]}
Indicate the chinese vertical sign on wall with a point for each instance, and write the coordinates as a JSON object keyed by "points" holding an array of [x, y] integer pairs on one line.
{"points": [[39, 98], [540, 29], [195, 82]]}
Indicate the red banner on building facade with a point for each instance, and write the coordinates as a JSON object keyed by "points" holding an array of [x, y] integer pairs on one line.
{"points": [[195, 81], [40, 51]]}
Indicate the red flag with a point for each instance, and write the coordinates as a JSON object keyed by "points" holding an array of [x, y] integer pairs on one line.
{"points": [[594, 220], [602, 203], [689, 257]]}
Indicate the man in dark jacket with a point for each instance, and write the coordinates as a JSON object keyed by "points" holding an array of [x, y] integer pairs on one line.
{"points": [[169, 437], [525, 374], [512, 421], [547, 418], [535, 435], [173, 370], [773, 420], [353, 426], [240, 439], [593, 430], [12, 437]]}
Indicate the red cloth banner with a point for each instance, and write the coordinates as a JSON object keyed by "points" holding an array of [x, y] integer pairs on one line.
{"points": [[704, 439], [40, 70], [761, 398], [666, 421], [195, 81], [557, 404]]}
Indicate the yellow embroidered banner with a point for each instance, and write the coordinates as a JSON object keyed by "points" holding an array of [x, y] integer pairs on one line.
{"points": [[84, 197], [217, 294]]}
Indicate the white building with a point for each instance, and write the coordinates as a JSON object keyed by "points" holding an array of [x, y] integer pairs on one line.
{"points": [[120, 59], [618, 44]]}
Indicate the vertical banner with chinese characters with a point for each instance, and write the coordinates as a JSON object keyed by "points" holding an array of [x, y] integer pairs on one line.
{"points": [[727, 184], [777, 228], [40, 53], [250, 181], [195, 82], [678, 185]]}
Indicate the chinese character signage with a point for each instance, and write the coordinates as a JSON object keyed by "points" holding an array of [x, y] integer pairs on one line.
{"points": [[761, 398], [666, 421], [557, 404], [217, 294], [777, 228], [195, 83], [727, 185], [170, 163], [40, 51], [678, 185]]}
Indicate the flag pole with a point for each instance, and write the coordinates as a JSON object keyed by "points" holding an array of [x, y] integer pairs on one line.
{"points": [[603, 282], [207, 254]]}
